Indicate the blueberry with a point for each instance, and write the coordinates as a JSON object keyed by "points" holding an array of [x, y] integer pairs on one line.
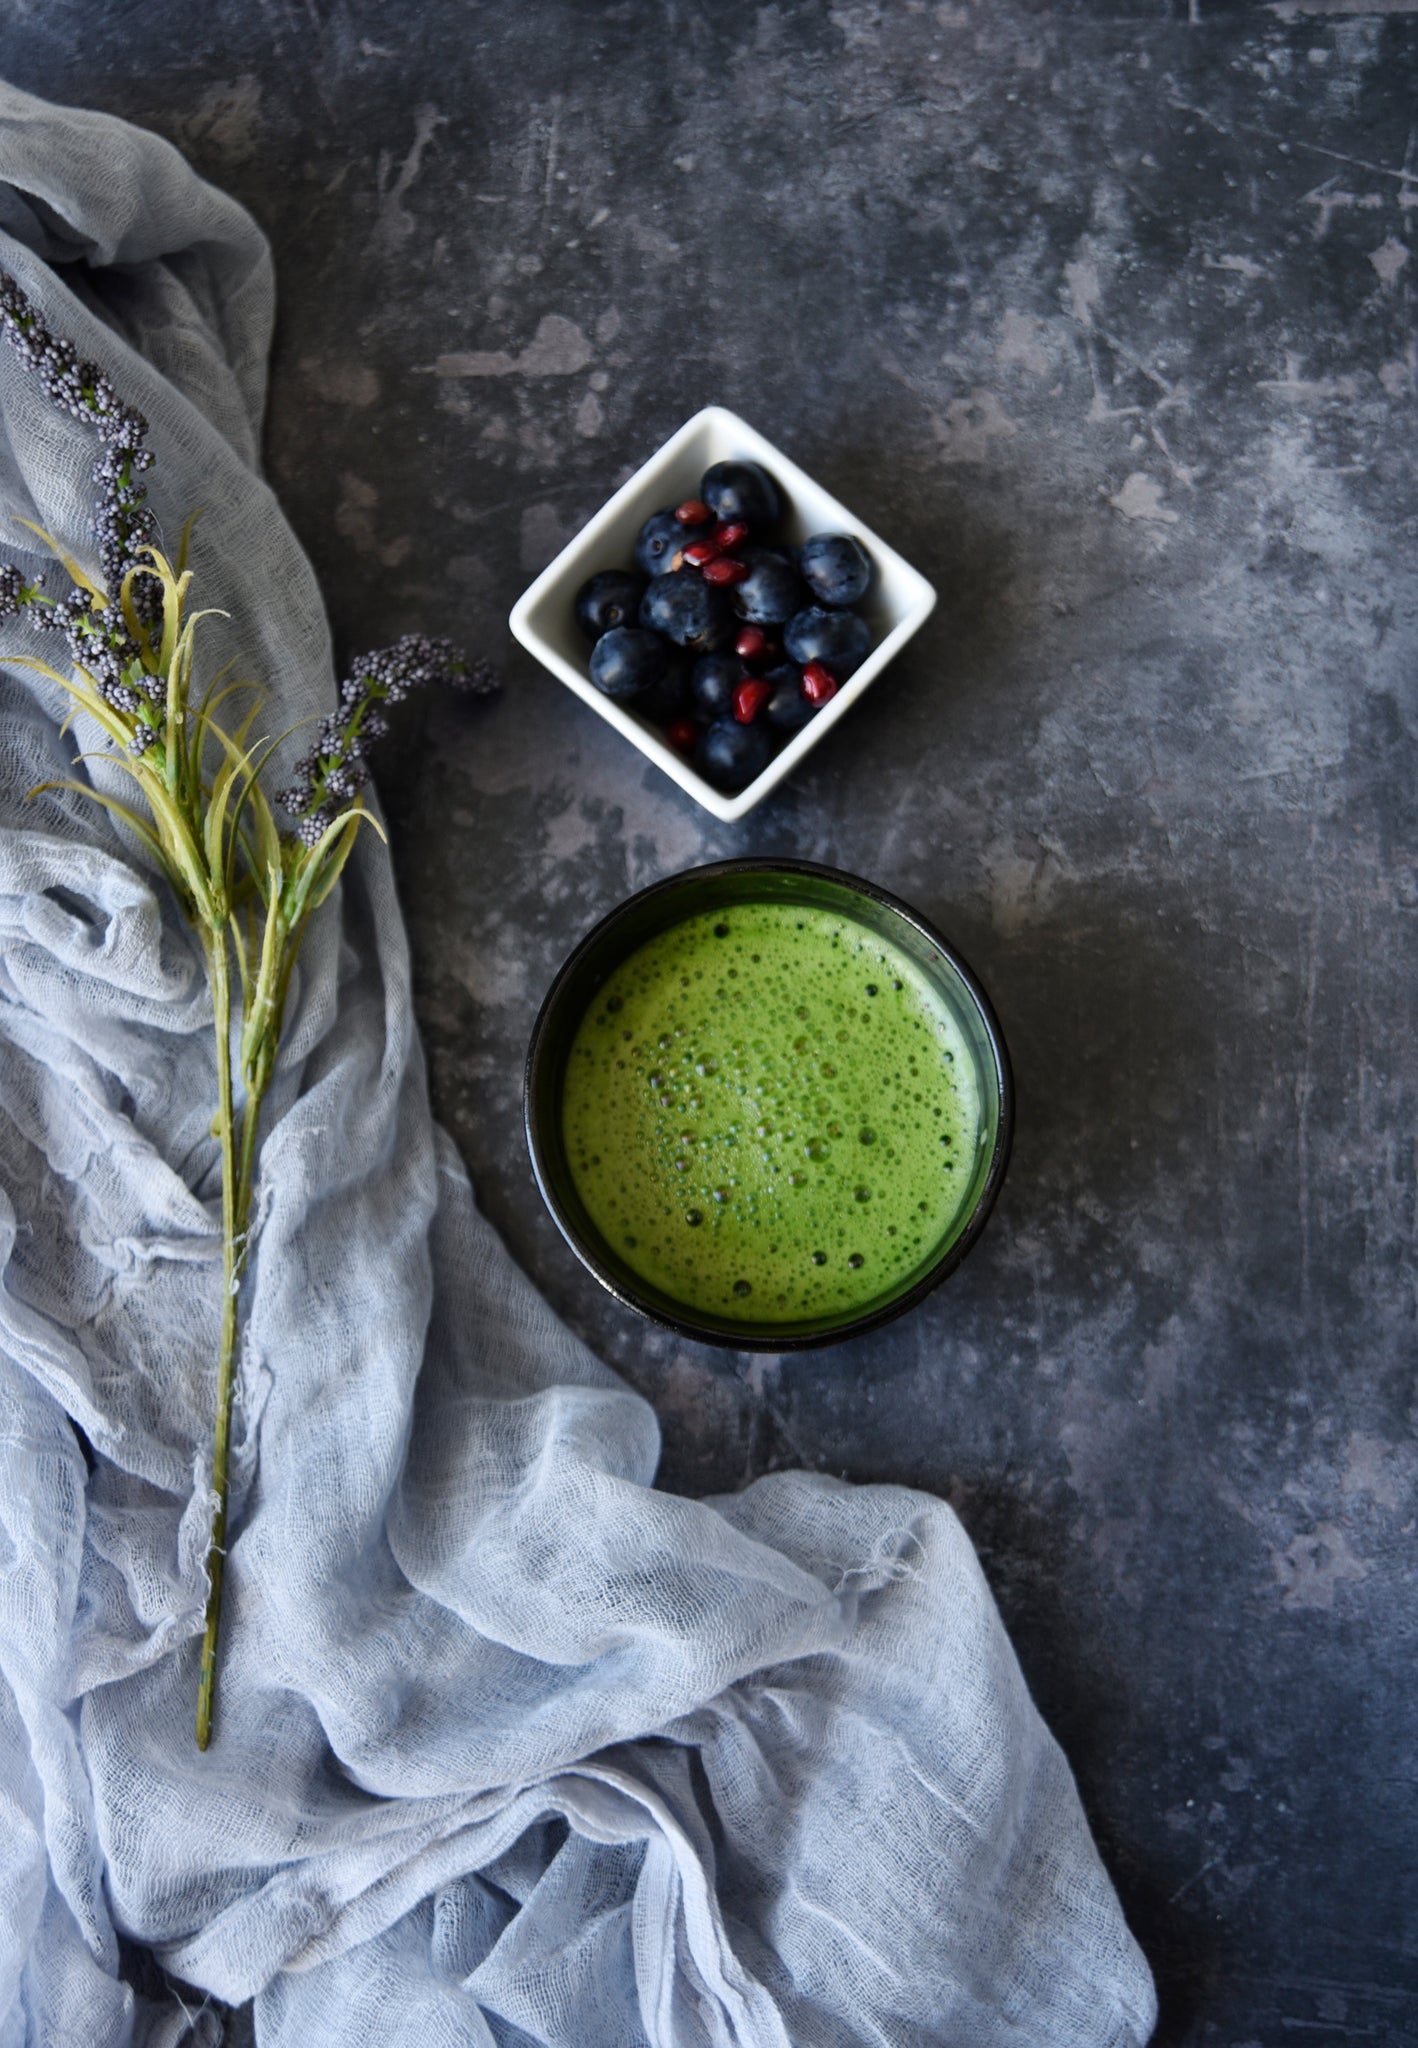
{"points": [[610, 599], [689, 611], [712, 684], [787, 710], [841, 641], [740, 490], [836, 567], [668, 699], [663, 538], [627, 661], [731, 755], [772, 591]]}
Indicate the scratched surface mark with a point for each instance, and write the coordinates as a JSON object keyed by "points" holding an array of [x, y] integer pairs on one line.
{"points": [[1106, 318]]}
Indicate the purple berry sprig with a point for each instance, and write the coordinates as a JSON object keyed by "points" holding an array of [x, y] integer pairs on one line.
{"points": [[123, 522], [337, 767], [247, 887]]}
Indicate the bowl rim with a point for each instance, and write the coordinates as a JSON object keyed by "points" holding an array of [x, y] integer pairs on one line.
{"points": [[792, 477], [686, 1325]]}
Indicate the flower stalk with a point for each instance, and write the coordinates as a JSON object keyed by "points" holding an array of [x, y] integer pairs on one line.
{"points": [[247, 885]]}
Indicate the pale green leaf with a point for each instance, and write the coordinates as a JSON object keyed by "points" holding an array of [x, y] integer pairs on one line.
{"points": [[119, 810], [71, 567], [185, 542], [335, 866], [309, 874]]}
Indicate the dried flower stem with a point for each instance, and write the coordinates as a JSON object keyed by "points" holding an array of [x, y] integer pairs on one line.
{"points": [[247, 887], [234, 1227]]}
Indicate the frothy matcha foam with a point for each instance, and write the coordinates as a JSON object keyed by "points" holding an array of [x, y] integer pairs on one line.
{"points": [[771, 1114]]}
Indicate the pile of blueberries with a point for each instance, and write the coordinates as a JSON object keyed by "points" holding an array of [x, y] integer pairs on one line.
{"points": [[726, 642]]}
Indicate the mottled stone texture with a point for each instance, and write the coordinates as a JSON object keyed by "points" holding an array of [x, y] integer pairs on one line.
{"points": [[1109, 325]]}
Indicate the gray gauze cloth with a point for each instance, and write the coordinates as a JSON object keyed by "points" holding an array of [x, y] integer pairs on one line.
{"points": [[510, 1748]]}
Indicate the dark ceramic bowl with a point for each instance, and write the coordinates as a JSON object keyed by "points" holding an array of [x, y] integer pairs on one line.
{"points": [[719, 887]]}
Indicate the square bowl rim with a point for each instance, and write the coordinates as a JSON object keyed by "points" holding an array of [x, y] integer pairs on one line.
{"points": [[795, 481]]}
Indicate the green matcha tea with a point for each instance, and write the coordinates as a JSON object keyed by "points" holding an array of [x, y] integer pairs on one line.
{"points": [[771, 1114]]}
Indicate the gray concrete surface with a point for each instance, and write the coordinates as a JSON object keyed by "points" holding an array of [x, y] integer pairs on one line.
{"points": [[1107, 321]]}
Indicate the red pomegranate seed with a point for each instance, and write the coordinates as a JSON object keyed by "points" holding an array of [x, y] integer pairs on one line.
{"points": [[700, 554], [693, 512], [729, 534], [752, 644], [750, 698], [724, 570], [819, 683], [682, 735]]}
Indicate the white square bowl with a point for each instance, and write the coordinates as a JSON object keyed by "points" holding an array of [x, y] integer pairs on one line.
{"points": [[543, 618]]}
